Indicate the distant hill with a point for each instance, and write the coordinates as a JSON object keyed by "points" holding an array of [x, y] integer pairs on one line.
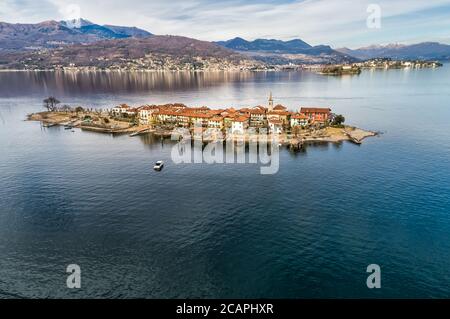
{"points": [[59, 44], [150, 53], [420, 51], [284, 52], [267, 45], [129, 31], [52, 34]]}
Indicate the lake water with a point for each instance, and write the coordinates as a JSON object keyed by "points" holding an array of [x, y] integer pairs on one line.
{"points": [[226, 231]]}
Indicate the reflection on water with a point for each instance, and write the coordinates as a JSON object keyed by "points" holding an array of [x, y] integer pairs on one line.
{"points": [[11, 83]]}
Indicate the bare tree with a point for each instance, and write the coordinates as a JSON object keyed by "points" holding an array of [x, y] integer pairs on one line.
{"points": [[51, 103]]}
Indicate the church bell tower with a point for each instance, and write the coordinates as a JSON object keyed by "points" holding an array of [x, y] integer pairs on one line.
{"points": [[270, 102]]}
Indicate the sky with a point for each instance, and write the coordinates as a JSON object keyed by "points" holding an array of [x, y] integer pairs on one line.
{"points": [[339, 23]]}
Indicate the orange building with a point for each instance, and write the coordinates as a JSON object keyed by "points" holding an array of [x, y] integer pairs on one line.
{"points": [[316, 114]]}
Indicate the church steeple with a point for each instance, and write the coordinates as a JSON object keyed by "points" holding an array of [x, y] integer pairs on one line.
{"points": [[270, 102]]}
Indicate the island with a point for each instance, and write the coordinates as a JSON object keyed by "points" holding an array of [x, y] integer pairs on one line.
{"points": [[379, 63], [295, 129], [340, 70]]}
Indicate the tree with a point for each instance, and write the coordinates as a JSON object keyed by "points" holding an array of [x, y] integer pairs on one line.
{"points": [[79, 109], [51, 103], [338, 120], [65, 108]]}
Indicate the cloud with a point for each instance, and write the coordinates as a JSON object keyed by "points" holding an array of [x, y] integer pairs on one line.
{"points": [[71, 11], [23, 11], [336, 22]]}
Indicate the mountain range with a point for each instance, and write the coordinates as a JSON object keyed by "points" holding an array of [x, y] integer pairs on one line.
{"points": [[52, 34], [56, 44], [419, 51], [133, 53], [283, 52], [268, 45]]}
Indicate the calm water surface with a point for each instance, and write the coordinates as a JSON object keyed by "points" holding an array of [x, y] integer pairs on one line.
{"points": [[222, 231]]}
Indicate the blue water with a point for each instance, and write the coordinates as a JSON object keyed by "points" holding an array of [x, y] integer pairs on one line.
{"points": [[225, 231]]}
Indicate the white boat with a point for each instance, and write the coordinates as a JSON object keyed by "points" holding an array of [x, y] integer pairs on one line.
{"points": [[158, 166]]}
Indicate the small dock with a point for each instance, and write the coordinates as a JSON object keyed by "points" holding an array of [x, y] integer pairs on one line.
{"points": [[357, 135], [297, 144], [146, 130], [354, 140], [49, 124]]}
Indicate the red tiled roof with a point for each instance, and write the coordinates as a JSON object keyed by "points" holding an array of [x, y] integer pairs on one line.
{"points": [[256, 111], [279, 107], [167, 112], [262, 108], [198, 115], [284, 113], [300, 117], [315, 110], [240, 119], [149, 107]]}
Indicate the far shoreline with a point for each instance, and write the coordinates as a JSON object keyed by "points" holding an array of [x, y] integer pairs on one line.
{"points": [[305, 68]]}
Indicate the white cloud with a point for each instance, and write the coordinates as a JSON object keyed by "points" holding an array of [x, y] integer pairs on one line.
{"points": [[71, 11], [337, 22]]}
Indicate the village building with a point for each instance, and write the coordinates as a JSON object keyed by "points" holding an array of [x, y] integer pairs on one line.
{"points": [[279, 108], [283, 116], [216, 122], [200, 119], [275, 126], [228, 120], [278, 113], [239, 125], [124, 110], [299, 120], [118, 110], [145, 114], [182, 119], [277, 119], [316, 114], [258, 117], [167, 116]]}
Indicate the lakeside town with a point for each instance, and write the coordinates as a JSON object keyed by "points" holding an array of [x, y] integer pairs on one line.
{"points": [[152, 63], [372, 64], [308, 124], [387, 63]]}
